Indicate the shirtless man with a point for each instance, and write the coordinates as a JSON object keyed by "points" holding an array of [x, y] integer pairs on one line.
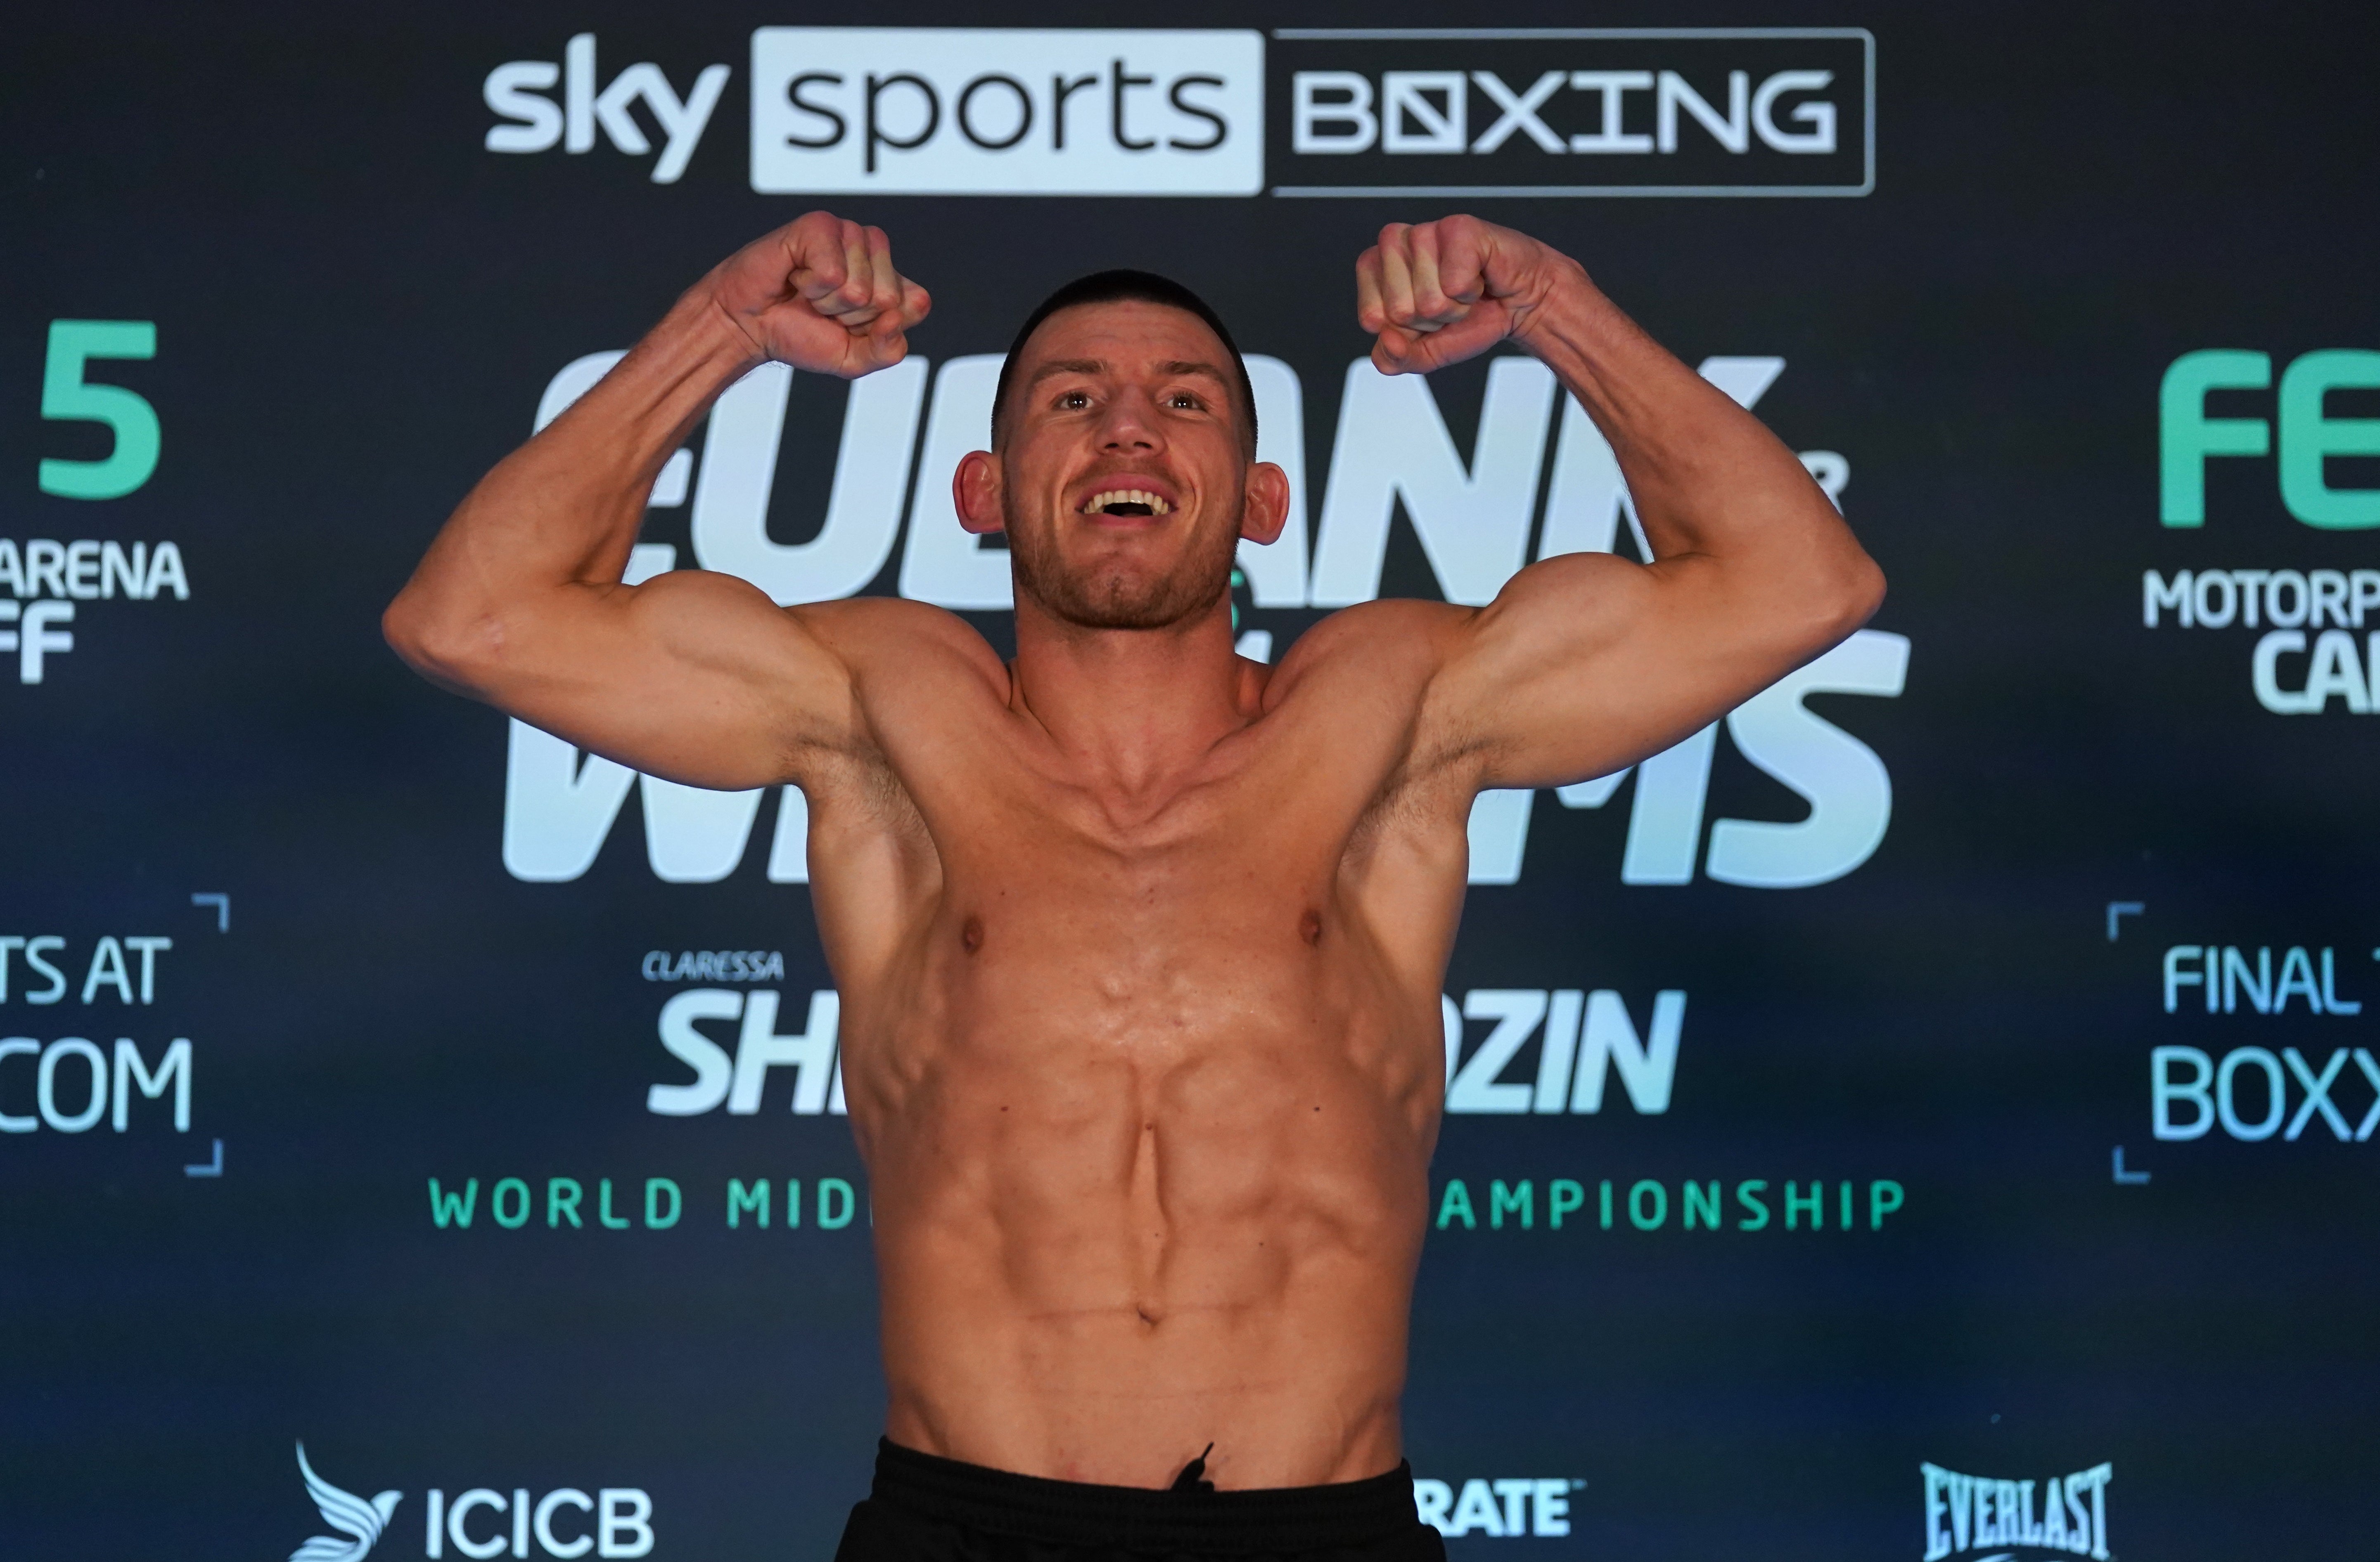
{"points": [[1139, 942]]}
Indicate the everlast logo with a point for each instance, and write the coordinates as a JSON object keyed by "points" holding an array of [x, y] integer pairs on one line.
{"points": [[2065, 1515], [1781, 110], [1006, 110]]}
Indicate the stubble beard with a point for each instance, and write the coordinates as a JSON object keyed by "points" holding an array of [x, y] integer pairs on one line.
{"points": [[1110, 596]]}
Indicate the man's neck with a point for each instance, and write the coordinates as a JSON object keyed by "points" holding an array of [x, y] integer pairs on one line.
{"points": [[1134, 708]]}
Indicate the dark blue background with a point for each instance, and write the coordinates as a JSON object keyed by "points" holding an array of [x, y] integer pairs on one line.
{"points": [[356, 310]]}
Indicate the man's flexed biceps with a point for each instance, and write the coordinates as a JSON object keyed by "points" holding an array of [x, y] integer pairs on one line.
{"points": [[1585, 663], [694, 676]]}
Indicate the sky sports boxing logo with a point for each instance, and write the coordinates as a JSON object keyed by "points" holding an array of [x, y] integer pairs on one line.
{"points": [[1123, 112]]}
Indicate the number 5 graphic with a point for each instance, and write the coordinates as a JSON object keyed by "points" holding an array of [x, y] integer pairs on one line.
{"points": [[66, 395]]}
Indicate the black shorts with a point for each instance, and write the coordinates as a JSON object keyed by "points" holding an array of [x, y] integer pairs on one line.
{"points": [[922, 1508]]}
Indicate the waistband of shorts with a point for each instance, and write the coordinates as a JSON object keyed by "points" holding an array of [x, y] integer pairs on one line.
{"points": [[1074, 1513]]}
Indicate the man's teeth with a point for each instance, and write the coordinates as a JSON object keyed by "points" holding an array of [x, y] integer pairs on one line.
{"points": [[1116, 498]]}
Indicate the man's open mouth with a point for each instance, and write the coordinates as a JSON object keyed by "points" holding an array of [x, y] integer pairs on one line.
{"points": [[1126, 502]]}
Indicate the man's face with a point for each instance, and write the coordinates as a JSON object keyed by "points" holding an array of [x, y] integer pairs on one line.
{"points": [[1123, 481]]}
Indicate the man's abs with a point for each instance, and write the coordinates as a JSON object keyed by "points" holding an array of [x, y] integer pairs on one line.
{"points": [[1101, 1251]]}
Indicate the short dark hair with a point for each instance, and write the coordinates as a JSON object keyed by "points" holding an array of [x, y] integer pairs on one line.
{"points": [[1128, 286]]}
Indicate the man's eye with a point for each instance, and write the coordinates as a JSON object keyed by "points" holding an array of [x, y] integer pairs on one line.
{"points": [[1185, 399], [1073, 401]]}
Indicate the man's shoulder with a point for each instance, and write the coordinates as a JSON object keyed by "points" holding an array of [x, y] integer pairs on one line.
{"points": [[1377, 639], [872, 634]]}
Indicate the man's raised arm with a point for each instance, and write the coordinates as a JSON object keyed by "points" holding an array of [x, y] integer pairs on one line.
{"points": [[1586, 662], [694, 676]]}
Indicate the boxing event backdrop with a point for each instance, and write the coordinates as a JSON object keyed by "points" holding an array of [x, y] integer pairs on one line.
{"points": [[1929, 1114]]}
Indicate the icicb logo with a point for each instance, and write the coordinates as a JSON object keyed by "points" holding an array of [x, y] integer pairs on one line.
{"points": [[1979, 1513], [565, 1522]]}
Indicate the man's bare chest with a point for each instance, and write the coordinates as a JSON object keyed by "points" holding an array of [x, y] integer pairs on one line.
{"points": [[1273, 805], [966, 818]]}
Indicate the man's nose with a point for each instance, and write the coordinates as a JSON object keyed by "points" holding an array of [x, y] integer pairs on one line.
{"points": [[1131, 424]]}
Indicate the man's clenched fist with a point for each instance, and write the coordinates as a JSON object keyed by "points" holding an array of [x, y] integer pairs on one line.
{"points": [[1437, 293], [821, 293]]}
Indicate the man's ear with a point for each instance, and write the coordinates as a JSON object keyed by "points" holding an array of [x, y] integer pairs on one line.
{"points": [[975, 493], [1267, 507]]}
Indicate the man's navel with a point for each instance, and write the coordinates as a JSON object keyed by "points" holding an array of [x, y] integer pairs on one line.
{"points": [[971, 934], [1309, 927]]}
